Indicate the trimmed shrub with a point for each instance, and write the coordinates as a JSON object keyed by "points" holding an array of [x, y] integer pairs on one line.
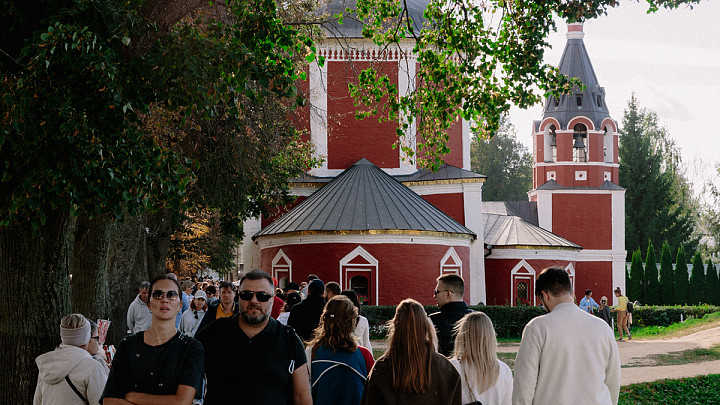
{"points": [[667, 278], [696, 294], [652, 284], [680, 284], [712, 286], [637, 275], [666, 316]]}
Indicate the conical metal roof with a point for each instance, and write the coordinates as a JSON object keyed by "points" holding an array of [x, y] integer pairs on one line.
{"points": [[575, 63], [364, 198]]}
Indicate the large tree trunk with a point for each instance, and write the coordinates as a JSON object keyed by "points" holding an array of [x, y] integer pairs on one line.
{"points": [[123, 275], [89, 292], [158, 241], [35, 268]]}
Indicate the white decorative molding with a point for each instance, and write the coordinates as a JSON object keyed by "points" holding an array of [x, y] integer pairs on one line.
{"points": [[371, 267], [526, 276], [286, 267], [551, 176], [580, 175], [319, 113], [592, 255], [567, 163], [270, 241], [472, 206], [450, 188], [451, 254], [607, 176], [533, 254], [304, 191], [250, 250]]}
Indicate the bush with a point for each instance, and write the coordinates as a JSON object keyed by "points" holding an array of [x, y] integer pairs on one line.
{"points": [[666, 316], [508, 321]]}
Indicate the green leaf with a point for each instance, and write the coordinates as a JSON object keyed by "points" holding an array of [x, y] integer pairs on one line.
{"points": [[125, 41]]}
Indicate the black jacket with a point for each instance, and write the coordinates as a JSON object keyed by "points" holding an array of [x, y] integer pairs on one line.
{"points": [[212, 313], [305, 316], [444, 322]]}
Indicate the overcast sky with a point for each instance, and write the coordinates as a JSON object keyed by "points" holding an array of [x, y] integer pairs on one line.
{"points": [[670, 59]]}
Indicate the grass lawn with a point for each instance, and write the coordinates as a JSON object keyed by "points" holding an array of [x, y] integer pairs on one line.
{"points": [[677, 329], [696, 390], [684, 357]]}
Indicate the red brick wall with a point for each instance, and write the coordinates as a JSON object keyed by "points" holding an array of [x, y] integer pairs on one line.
{"points": [[596, 276], [265, 221], [405, 270], [498, 277], [350, 139], [451, 204], [585, 219]]}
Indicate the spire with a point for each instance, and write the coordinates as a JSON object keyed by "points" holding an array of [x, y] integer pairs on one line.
{"points": [[589, 102]]}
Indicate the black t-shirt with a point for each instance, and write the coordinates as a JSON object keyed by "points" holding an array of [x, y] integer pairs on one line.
{"points": [[251, 371], [156, 370], [445, 321]]}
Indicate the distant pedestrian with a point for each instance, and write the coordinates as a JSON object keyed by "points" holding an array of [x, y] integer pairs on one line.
{"points": [[622, 314], [331, 289], [566, 356], [588, 303], [362, 326], [305, 316], [225, 308], [138, 315], [411, 371], [292, 300], [485, 379], [604, 311]]}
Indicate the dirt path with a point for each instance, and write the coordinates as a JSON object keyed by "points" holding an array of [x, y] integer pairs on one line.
{"points": [[638, 352]]}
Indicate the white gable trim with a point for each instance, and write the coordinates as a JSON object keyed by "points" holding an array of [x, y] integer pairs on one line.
{"points": [[451, 253], [275, 267], [372, 267], [515, 272]]}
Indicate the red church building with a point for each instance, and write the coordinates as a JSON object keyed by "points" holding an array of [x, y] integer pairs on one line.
{"points": [[374, 222]]}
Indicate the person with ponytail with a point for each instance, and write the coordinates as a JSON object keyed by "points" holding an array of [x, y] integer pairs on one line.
{"points": [[485, 379], [412, 371], [339, 366]]}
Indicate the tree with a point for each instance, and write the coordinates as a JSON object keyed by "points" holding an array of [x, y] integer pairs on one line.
{"points": [[658, 201], [635, 285], [506, 162], [652, 284], [667, 276], [680, 282], [696, 290], [712, 285]]}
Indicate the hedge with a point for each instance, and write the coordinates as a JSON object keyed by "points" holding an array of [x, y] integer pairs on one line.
{"points": [[666, 316], [510, 321]]}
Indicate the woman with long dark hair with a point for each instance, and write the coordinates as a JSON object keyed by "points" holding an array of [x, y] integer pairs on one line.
{"points": [[161, 364], [338, 365], [412, 371], [485, 379]]}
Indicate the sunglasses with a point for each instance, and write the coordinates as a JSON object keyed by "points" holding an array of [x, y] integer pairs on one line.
{"points": [[261, 296], [171, 295], [436, 292]]}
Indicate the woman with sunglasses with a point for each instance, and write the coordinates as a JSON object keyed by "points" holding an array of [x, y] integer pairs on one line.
{"points": [[411, 371], [159, 365], [338, 366], [190, 320]]}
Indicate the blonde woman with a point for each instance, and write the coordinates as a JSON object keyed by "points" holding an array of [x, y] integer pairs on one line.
{"points": [[412, 371], [485, 379]]}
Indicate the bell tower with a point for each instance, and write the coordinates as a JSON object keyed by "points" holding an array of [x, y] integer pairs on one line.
{"points": [[575, 173]]}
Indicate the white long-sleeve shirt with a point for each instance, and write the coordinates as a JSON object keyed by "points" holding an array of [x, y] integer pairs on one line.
{"points": [[567, 357], [362, 332], [499, 394], [139, 317]]}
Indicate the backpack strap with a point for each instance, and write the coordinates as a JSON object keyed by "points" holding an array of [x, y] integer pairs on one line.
{"points": [[67, 378], [290, 347], [336, 364]]}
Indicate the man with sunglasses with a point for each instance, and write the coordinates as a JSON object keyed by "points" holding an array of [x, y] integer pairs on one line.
{"points": [[449, 298], [224, 308], [268, 359]]}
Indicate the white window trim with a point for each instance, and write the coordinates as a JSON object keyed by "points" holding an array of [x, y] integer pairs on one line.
{"points": [[275, 267], [451, 253], [515, 273], [371, 267]]}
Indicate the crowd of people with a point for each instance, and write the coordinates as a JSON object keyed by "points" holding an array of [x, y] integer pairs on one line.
{"points": [[253, 343]]}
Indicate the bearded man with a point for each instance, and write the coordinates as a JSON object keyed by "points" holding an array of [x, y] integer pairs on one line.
{"points": [[252, 358]]}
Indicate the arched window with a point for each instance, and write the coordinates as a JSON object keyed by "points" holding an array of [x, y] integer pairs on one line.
{"points": [[579, 143], [608, 146], [550, 143]]}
